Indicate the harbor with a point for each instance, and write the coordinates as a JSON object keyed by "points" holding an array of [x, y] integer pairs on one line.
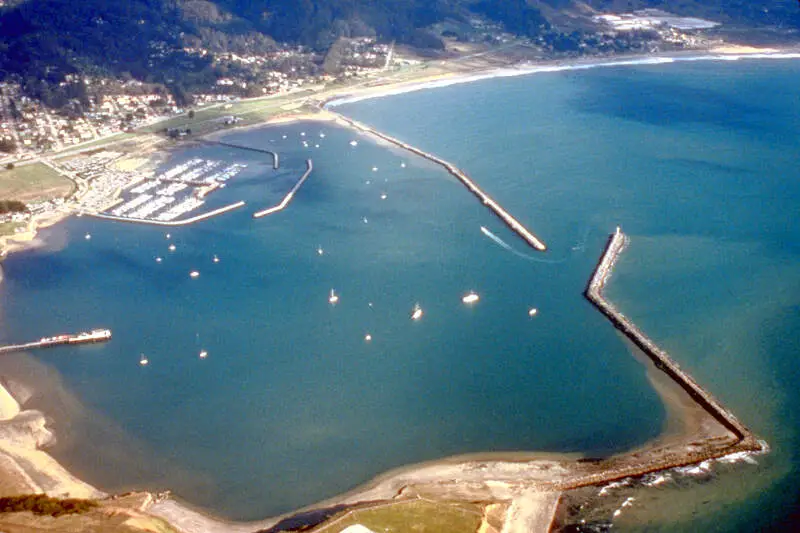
{"points": [[288, 198], [95, 335], [516, 226]]}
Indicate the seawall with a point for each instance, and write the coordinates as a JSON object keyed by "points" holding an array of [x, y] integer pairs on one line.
{"points": [[288, 198], [275, 157], [459, 174], [594, 293]]}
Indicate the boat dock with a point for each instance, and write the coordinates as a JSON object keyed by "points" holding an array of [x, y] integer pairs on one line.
{"points": [[288, 198], [96, 335], [275, 157], [184, 222], [487, 200]]}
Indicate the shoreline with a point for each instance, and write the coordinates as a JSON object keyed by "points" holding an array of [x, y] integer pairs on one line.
{"points": [[383, 486]]}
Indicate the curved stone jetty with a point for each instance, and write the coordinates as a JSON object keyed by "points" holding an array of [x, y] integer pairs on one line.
{"points": [[487, 200], [288, 198], [275, 157]]}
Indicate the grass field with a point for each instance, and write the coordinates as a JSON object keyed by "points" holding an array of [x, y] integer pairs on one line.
{"points": [[35, 182], [418, 516], [7, 228]]}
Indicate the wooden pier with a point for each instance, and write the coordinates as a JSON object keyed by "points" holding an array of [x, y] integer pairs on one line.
{"points": [[96, 335], [487, 200], [288, 198]]}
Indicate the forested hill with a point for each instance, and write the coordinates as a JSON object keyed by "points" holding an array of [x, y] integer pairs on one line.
{"points": [[42, 40]]}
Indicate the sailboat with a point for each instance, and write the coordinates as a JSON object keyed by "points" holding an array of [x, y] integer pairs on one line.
{"points": [[143, 360], [333, 298]]}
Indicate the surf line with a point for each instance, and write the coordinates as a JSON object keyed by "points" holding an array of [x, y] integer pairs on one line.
{"points": [[487, 200]]}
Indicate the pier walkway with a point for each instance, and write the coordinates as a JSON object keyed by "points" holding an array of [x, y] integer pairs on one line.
{"points": [[487, 200], [275, 157], [288, 198], [183, 222], [96, 335]]}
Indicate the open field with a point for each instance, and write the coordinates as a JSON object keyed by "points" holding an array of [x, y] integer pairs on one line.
{"points": [[34, 182], [7, 228], [419, 516]]}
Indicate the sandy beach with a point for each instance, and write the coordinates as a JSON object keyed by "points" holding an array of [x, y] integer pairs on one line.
{"points": [[531, 481]]}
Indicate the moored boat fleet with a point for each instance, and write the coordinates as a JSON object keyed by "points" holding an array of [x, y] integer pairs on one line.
{"points": [[174, 192]]}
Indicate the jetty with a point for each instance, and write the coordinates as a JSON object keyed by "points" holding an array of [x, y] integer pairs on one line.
{"points": [[275, 157], [183, 222], [95, 335], [288, 198], [459, 174], [662, 360]]}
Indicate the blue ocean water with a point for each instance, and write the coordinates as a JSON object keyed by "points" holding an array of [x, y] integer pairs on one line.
{"points": [[293, 405]]}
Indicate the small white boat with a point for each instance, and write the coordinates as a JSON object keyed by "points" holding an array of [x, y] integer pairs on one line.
{"points": [[417, 312], [320, 251], [470, 298], [284, 136], [216, 259], [353, 143], [171, 248], [374, 169], [321, 135], [367, 337], [143, 360], [365, 220], [168, 236], [87, 236], [203, 354], [532, 312], [194, 274], [384, 196], [158, 259], [402, 165], [334, 298]]}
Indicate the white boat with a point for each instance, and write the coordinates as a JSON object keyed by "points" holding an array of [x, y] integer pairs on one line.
{"points": [[216, 259], [143, 360], [367, 337], [402, 165], [320, 251], [374, 169], [334, 298], [417, 312], [88, 236], [470, 298], [171, 247], [532, 312], [203, 354], [158, 259], [194, 274], [383, 196], [353, 143]]}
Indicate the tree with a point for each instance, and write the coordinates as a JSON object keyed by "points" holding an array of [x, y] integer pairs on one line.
{"points": [[191, 113], [8, 145], [9, 166]]}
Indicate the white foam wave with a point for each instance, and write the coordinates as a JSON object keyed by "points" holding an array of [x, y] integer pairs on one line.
{"points": [[526, 70]]}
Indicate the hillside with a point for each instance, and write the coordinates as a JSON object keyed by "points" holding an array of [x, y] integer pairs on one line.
{"points": [[42, 42]]}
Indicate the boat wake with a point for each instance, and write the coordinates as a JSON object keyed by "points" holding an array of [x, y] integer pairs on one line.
{"points": [[503, 244]]}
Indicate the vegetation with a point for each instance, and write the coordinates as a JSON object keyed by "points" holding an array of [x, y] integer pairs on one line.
{"points": [[41, 504], [420, 516], [12, 206], [34, 182]]}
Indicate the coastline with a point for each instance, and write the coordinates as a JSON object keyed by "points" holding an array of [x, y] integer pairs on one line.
{"points": [[23, 432]]}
